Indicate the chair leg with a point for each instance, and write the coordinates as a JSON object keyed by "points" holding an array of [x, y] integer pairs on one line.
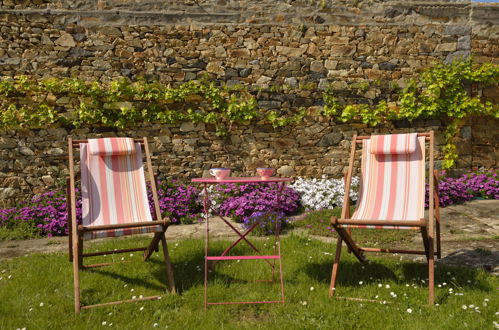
{"points": [[332, 287], [76, 274], [69, 219], [439, 249], [352, 246], [168, 264], [153, 246], [70, 245], [424, 235], [80, 252], [431, 271]]}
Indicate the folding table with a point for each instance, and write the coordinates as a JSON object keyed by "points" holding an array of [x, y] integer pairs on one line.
{"points": [[270, 259]]}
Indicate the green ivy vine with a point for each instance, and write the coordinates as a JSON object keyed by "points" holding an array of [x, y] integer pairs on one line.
{"points": [[122, 103], [439, 92]]}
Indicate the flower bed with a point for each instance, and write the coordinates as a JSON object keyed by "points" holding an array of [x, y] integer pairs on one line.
{"points": [[318, 194], [468, 186], [177, 201], [45, 214]]}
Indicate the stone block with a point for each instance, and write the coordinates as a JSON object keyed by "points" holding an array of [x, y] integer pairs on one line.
{"points": [[7, 193], [26, 151], [446, 47], [330, 139], [286, 171], [466, 132], [290, 51], [458, 55], [459, 30], [464, 43], [317, 66], [330, 64], [65, 40]]}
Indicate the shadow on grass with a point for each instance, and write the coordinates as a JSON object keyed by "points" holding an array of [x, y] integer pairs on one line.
{"points": [[482, 258], [132, 281], [349, 272], [460, 277]]}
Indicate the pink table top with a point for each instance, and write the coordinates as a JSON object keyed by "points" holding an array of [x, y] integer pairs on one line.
{"points": [[253, 179]]}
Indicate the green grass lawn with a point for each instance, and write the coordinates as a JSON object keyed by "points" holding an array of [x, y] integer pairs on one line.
{"points": [[36, 291], [319, 223]]}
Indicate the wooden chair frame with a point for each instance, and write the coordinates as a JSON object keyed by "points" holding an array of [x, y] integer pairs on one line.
{"points": [[76, 232], [428, 226]]}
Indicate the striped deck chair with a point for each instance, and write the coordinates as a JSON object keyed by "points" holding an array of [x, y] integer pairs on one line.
{"points": [[114, 203], [392, 196]]}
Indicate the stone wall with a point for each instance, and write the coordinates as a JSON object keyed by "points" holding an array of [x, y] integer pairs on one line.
{"points": [[34, 161], [359, 48]]}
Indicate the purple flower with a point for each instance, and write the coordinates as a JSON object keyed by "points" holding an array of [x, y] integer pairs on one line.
{"points": [[466, 187], [242, 200]]}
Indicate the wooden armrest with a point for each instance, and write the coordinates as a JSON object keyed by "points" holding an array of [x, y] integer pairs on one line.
{"points": [[409, 223], [124, 225]]}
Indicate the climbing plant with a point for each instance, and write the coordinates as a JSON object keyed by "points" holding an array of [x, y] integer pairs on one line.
{"points": [[439, 92]]}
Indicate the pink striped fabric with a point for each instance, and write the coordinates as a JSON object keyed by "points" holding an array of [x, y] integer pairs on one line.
{"points": [[394, 144], [114, 191], [111, 146], [392, 186]]}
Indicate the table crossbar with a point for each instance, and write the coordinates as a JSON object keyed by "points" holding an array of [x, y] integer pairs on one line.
{"points": [[241, 257]]}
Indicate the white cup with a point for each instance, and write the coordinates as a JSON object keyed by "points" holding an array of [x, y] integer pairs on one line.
{"points": [[220, 173]]}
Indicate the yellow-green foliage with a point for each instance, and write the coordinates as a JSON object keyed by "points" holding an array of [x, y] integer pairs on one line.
{"points": [[439, 92]]}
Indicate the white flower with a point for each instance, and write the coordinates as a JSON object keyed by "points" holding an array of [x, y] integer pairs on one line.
{"points": [[409, 310], [132, 290], [464, 307], [141, 296], [104, 322], [387, 286], [323, 193], [131, 254], [41, 304], [360, 282], [141, 308], [312, 288], [9, 277], [134, 297], [444, 283], [155, 325], [380, 285]]}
